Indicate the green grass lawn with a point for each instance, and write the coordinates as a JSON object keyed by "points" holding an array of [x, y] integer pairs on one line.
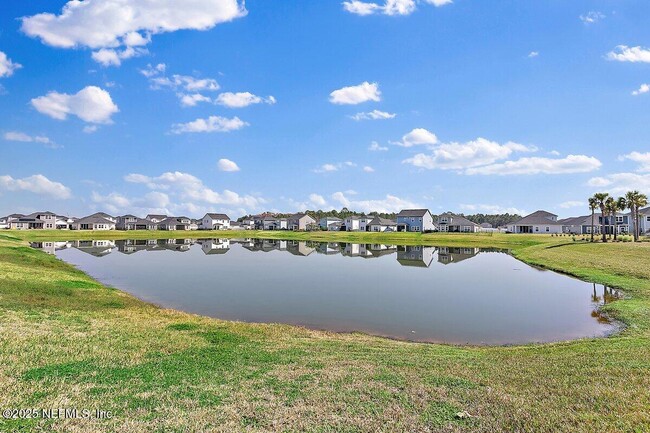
{"points": [[67, 341]]}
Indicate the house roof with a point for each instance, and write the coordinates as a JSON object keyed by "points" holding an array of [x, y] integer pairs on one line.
{"points": [[486, 225], [331, 218], [382, 222], [457, 220], [174, 220], [538, 217], [158, 217], [93, 219], [101, 214], [35, 214], [141, 221], [413, 212], [218, 216], [645, 211]]}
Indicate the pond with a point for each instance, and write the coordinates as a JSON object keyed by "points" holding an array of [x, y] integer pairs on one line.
{"points": [[417, 293]]}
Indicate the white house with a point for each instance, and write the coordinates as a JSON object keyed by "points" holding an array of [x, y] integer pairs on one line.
{"points": [[93, 223], [175, 223], [378, 224], [540, 222], [357, 223], [330, 223], [644, 220], [415, 220], [215, 221]]}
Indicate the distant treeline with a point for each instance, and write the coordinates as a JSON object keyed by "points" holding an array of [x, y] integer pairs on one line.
{"points": [[496, 220]]}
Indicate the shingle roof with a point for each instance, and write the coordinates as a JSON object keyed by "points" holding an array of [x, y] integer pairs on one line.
{"points": [[413, 212], [218, 216], [101, 214], [538, 217], [93, 219], [382, 221], [457, 220]]}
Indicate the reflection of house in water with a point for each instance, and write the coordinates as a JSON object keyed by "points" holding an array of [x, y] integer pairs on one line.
{"points": [[50, 247], [215, 246], [355, 250], [180, 245], [455, 254], [378, 250], [97, 248], [130, 246], [300, 248], [328, 248], [265, 245], [415, 256]]}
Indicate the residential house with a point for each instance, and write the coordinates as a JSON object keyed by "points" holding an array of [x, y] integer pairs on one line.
{"points": [[215, 221], [356, 223], [417, 256], [156, 218], [34, 221], [415, 220], [330, 223], [93, 222], [194, 224], [539, 222], [449, 222], [582, 225], [130, 246], [175, 223], [5, 222], [130, 222], [300, 221], [273, 223], [378, 224], [247, 224], [104, 215], [64, 223]]}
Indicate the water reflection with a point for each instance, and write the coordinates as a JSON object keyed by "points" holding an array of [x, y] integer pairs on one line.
{"points": [[423, 293], [417, 256]]}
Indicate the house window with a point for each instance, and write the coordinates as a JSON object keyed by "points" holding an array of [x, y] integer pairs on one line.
{"points": [[548, 229], [536, 229]]}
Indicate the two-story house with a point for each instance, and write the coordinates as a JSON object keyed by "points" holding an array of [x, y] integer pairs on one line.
{"points": [[300, 221], [449, 222], [415, 220], [215, 221]]}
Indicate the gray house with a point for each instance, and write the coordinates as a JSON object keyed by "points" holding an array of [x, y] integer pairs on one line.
{"points": [[449, 222], [378, 224], [175, 223], [34, 221], [300, 221], [417, 256], [415, 220], [131, 222], [330, 223]]}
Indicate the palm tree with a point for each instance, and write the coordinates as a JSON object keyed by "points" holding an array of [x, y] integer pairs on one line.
{"points": [[592, 205], [601, 199], [635, 201], [610, 208]]}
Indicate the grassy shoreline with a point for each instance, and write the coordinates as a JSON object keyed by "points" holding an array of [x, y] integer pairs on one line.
{"points": [[68, 341]]}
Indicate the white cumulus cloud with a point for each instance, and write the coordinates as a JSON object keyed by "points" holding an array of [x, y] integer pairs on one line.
{"points": [[417, 137], [644, 88], [91, 104], [390, 203], [620, 183], [242, 99], [643, 159], [572, 204], [37, 184], [368, 169], [7, 67], [623, 53], [353, 95], [227, 165], [118, 25], [458, 156], [592, 17], [211, 124]]}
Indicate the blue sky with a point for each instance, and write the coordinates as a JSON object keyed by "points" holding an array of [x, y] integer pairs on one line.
{"points": [[469, 106]]}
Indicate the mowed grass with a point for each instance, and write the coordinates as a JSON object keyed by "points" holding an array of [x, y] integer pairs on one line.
{"points": [[66, 341]]}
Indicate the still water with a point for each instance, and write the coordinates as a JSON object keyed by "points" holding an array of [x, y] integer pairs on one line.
{"points": [[418, 293]]}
